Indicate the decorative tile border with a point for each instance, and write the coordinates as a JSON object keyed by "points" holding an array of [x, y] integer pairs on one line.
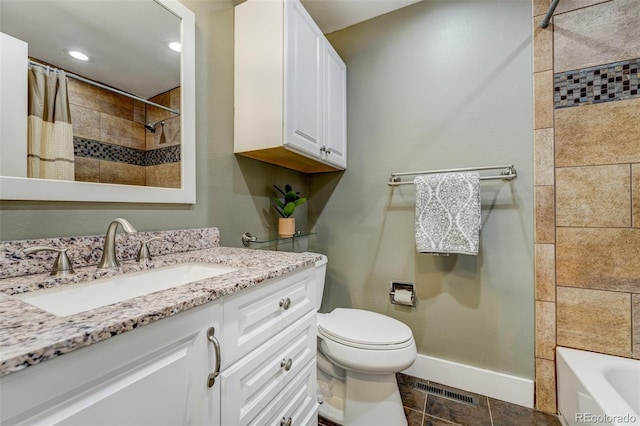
{"points": [[117, 153], [603, 83]]}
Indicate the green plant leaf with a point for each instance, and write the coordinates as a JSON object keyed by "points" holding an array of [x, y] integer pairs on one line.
{"points": [[300, 201], [278, 202], [290, 197], [289, 208]]}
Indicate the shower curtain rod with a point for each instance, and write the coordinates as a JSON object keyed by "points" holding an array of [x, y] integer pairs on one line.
{"points": [[547, 17], [104, 86], [508, 173]]}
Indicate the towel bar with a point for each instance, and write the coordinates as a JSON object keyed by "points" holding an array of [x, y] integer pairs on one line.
{"points": [[508, 172]]}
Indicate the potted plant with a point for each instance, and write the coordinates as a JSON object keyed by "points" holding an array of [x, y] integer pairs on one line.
{"points": [[286, 207]]}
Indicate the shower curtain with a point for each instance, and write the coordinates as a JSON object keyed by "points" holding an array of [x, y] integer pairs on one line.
{"points": [[49, 134]]}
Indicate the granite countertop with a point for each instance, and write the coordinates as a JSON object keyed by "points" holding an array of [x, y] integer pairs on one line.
{"points": [[30, 335]]}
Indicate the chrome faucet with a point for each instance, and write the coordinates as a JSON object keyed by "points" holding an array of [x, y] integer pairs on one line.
{"points": [[109, 257]]}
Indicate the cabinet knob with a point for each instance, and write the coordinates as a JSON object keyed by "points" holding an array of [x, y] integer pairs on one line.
{"points": [[285, 303], [286, 364], [286, 421]]}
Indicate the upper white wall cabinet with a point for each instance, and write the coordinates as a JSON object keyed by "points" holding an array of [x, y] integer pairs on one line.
{"points": [[290, 89]]}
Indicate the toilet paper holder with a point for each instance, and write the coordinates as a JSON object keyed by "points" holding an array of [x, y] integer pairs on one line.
{"points": [[402, 288]]}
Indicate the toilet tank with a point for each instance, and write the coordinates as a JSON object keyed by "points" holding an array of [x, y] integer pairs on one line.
{"points": [[321, 272]]}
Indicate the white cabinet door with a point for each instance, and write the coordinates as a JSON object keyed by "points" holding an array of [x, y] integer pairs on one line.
{"points": [[335, 108], [298, 402], [303, 81], [256, 315], [262, 379], [155, 375]]}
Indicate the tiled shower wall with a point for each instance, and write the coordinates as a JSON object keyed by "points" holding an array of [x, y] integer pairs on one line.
{"points": [[111, 143], [587, 182]]}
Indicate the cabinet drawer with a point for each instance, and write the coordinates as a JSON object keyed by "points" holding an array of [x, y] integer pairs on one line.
{"points": [[252, 317], [298, 401], [251, 384]]}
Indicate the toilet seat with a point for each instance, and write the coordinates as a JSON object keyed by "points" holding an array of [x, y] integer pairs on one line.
{"points": [[361, 329]]}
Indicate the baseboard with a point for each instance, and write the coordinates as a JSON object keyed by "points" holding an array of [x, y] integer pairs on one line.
{"points": [[515, 390]]}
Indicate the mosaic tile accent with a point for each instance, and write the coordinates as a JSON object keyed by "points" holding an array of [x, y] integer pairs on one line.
{"points": [[603, 83], [105, 151], [169, 154]]}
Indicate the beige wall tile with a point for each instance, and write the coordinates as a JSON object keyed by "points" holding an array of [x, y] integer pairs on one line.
{"points": [[540, 7], [635, 324], [121, 132], [600, 34], [545, 330], [594, 320], [157, 114], [543, 100], [635, 179], [87, 169], [121, 173], [166, 134], [542, 46], [596, 196], [598, 258], [85, 121], [139, 112], [98, 99], [543, 157], [545, 265], [605, 133], [546, 386], [544, 214], [164, 175], [175, 97], [569, 5]]}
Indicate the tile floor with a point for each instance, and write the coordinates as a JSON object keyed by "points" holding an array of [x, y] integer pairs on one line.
{"points": [[426, 409]]}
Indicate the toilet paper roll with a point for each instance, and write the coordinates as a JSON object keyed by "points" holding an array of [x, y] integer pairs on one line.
{"points": [[403, 297]]}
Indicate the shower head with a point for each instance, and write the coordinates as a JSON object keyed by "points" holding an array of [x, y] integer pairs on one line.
{"points": [[152, 126]]}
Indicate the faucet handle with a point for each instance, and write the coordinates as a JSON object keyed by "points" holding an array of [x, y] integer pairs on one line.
{"points": [[143, 253], [62, 264]]}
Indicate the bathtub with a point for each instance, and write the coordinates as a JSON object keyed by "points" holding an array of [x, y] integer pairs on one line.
{"points": [[597, 389]]}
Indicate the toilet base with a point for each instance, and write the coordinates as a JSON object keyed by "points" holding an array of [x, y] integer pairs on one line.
{"points": [[370, 399]]}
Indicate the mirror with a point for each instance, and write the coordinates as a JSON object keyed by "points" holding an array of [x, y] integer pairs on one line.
{"points": [[168, 131]]}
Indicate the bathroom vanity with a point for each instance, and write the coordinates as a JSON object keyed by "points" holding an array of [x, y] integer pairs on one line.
{"points": [[236, 348]]}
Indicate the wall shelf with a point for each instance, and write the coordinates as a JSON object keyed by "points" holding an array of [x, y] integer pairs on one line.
{"points": [[248, 238]]}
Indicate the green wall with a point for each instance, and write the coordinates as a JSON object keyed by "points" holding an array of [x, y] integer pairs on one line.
{"points": [[434, 85], [233, 193], [431, 86]]}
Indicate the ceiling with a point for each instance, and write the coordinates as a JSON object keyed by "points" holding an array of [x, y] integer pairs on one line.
{"points": [[136, 34], [335, 15]]}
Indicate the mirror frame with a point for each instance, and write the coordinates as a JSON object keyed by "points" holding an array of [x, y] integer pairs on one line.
{"points": [[23, 188]]}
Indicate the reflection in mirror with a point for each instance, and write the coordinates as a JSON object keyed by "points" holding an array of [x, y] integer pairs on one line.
{"points": [[126, 102]]}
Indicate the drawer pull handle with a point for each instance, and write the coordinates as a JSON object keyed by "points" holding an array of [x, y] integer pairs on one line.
{"points": [[211, 380], [286, 421], [285, 303], [286, 364]]}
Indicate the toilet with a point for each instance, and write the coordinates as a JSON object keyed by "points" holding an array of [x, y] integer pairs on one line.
{"points": [[359, 354]]}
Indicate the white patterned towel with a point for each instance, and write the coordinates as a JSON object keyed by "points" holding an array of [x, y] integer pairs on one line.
{"points": [[448, 215]]}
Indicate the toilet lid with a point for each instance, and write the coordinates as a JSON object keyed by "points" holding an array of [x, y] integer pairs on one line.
{"points": [[360, 328]]}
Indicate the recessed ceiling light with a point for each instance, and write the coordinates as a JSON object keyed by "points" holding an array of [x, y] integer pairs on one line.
{"points": [[175, 46], [78, 55]]}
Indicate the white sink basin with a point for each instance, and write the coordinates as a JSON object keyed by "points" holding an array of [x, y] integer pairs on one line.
{"points": [[75, 298]]}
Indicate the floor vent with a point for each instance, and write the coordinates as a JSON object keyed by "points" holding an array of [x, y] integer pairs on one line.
{"points": [[444, 393]]}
